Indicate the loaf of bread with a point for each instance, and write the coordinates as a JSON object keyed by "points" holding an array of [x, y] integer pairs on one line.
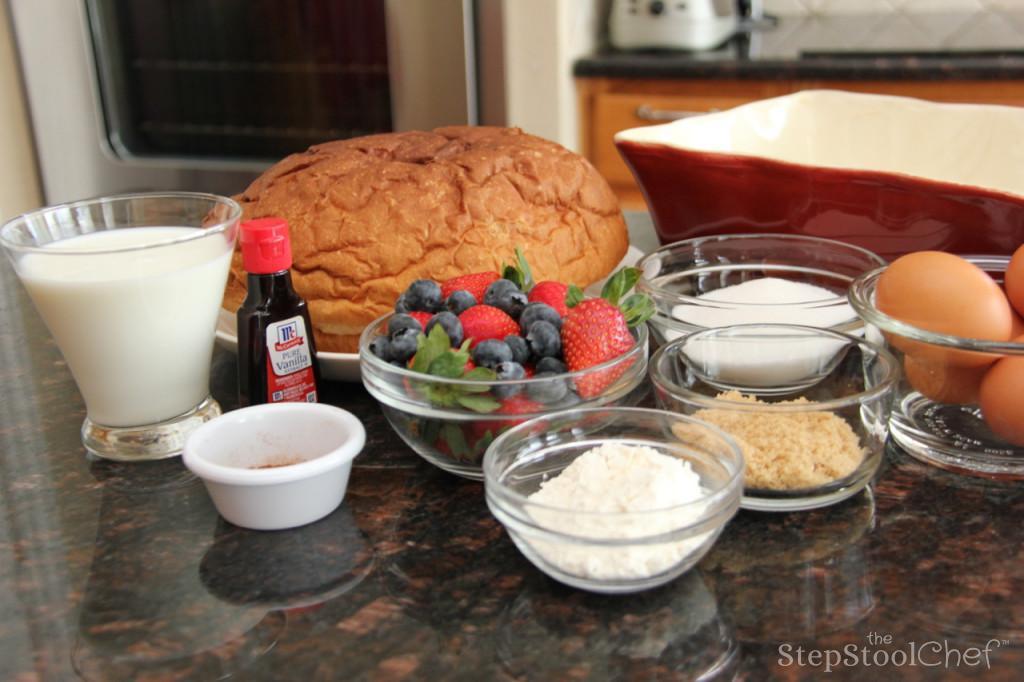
{"points": [[371, 214]]}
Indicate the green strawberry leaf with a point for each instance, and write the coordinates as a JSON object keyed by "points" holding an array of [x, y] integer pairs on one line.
{"points": [[619, 284], [478, 403], [430, 429], [637, 309], [440, 394], [452, 434], [482, 443], [520, 273], [430, 348], [434, 356], [573, 296], [524, 267], [450, 364], [479, 374]]}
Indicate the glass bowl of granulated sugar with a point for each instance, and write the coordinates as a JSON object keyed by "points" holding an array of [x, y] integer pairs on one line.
{"points": [[613, 500], [734, 279]]}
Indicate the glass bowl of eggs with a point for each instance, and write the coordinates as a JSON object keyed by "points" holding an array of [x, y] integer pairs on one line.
{"points": [[955, 324]]}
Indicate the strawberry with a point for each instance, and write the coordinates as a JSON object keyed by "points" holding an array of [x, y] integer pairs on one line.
{"points": [[475, 283], [552, 293], [483, 322], [517, 404], [596, 330], [420, 317], [520, 404]]}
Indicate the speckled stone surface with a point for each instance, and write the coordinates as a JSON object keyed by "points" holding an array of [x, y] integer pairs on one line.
{"points": [[985, 45], [115, 572]]}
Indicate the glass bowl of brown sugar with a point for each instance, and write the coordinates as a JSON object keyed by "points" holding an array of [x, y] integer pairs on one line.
{"points": [[808, 407]]}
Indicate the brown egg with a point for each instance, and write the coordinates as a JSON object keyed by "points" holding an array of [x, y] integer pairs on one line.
{"points": [[1002, 398], [942, 382], [1014, 281], [944, 293], [1017, 326]]}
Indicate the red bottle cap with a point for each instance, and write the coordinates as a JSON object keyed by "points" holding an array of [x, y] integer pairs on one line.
{"points": [[266, 247]]}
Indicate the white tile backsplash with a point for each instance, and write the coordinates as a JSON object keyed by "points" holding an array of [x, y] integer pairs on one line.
{"points": [[811, 7]]}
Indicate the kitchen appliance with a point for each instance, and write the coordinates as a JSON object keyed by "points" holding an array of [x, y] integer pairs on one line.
{"points": [[134, 96], [673, 24]]}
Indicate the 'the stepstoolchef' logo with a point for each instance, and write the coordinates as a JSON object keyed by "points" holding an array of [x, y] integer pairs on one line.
{"points": [[288, 337]]}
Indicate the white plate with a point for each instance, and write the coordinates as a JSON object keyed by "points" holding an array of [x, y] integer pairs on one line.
{"points": [[345, 366]]}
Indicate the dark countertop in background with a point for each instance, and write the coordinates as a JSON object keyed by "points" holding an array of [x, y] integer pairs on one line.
{"points": [[111, 571], [984, 45]]}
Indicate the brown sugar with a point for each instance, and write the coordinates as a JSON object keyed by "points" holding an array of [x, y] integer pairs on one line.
{"points": [[786, 451]]}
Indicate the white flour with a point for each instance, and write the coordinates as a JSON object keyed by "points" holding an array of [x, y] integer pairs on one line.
{"points": [[611, 479]]}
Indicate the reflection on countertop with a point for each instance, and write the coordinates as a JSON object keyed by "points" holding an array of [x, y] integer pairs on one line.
{"points": [[112, 571]]}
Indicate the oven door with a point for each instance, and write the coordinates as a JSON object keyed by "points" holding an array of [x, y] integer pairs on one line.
{"points": [[229, 82]]}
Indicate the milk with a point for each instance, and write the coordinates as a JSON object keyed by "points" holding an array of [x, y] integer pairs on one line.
{"points": [[136, 327]]}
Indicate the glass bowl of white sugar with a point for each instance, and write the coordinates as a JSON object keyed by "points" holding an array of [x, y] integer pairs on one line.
{"points": [[613, 500], [712, 282]]}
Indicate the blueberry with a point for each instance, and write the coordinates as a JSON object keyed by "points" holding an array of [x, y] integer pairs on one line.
{"points": [[550, 388], [551, 365], [497, 289], [544, 339], [508, 371], [460, 301], [402, 321], [520, 349], [569, 399], [423, 294], [491, 353], [402, 305], [451, 325], [381, 347], [537, 311], [403, 344], [512, 302]]}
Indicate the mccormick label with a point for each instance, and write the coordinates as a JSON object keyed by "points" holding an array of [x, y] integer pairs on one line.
{"points": [[290, 376]]}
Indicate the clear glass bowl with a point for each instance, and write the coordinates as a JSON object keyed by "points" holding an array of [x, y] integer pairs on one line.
{"points": [[679, 276], [455, 438], [611, 552], [946, 430], [794, 450]]}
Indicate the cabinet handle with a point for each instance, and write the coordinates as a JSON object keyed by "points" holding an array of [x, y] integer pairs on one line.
{"points": [[648, 113]]}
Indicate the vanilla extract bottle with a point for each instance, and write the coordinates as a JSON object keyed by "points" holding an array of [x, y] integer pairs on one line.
{"points": [[276, 350]]}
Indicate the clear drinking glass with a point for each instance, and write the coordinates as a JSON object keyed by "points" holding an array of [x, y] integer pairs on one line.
{"points": [[130, 287]]}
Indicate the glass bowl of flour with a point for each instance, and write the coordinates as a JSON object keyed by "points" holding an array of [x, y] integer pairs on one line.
{"points": [[613, 500], [712, 282]]}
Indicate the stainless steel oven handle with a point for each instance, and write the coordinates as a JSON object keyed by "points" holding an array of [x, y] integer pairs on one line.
{"points": [[645, 112]]}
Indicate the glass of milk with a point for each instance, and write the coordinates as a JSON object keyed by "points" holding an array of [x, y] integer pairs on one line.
{"points": [[130, 287]]}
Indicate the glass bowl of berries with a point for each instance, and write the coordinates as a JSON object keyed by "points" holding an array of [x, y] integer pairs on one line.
{"points": [[459, 362]]}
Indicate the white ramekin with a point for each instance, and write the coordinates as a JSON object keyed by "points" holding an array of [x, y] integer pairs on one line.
{"points": [[321, 440]]}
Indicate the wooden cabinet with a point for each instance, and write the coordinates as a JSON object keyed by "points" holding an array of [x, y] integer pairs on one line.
{"points": [[608, 105]]}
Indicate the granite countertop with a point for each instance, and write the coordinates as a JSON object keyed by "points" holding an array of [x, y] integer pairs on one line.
{"points": [[984, 45], [114, 571]]}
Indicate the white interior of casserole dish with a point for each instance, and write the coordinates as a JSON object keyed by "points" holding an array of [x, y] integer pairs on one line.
{"points": [[968, 144]]}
